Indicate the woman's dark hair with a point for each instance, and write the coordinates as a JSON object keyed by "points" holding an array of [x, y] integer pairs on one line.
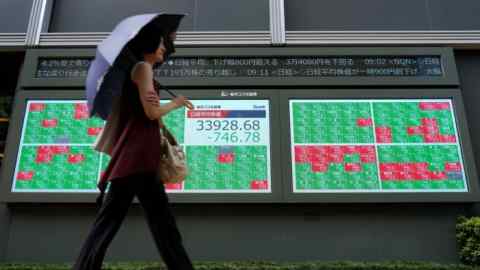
{"points": [[148, 39]]}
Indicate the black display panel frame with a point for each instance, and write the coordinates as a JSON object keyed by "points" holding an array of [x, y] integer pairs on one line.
{"points": [[15, 131], [473, 194], [28, 78], [449, 78]]}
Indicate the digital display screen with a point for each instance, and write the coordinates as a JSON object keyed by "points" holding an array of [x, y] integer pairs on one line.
{"points": [[226, 142], [266, 67], [375, 145]]}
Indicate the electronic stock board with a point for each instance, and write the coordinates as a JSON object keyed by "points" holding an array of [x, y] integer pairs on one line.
{"points": [[272, 130]]}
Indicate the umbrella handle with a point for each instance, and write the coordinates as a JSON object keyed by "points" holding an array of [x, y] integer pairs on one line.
{"points": [[170, 92], [162, 87]]}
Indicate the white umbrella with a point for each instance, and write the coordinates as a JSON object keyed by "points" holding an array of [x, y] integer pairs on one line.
{"points": [[109, 70]]}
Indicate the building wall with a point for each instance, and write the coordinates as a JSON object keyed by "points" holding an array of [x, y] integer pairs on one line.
{"points": [[379, 15], [14, 15], [280, 232], [54, 233], [250, 232], [468, 64], [4, 230], [204, 15]]}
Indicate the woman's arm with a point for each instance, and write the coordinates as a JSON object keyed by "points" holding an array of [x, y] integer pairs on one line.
{"points": [[143, 77]]}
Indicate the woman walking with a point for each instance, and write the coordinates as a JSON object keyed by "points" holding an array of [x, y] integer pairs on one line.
{"points": [[135, 151]]}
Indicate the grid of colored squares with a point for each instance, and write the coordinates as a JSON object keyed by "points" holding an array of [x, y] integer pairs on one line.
{"points": [[375, 145], [56, 154]]}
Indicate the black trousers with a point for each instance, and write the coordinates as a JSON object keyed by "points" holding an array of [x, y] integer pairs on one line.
{"points": [[161, 222]]}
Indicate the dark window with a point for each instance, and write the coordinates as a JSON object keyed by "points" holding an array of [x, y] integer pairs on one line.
{"points": [[14, 15], [354, 15], [12, 60], [203, 15]]}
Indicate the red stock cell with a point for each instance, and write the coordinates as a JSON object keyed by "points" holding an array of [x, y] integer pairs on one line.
{"points": [[367, 153], [429, 138], [36, 107], [409, 175], [422, 167], [349, 149], [81, 111], [43, 149], [25, 175], [319, 167], [399, 175], [409, 171], [94, 131], [225, 158], [443, 106], [420, 175], [173, 186], [447, 138], [75, 158], [368, 158], [207, 114], [453, 167], [313, 150], [43, 158], [387, 167], [318, 158], [386, 175], [383, 134], [437, 175], [59, 149], [430, 126], [365, 149], [414, 130], [49, 123], [434, 106], [336, 157], [364, 122], [259, 184], [301, 154], [327, 149], [44, 154], [353, 167]]}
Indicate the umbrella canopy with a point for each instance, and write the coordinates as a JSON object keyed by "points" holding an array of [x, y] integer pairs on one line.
{"points": [[110, 68]]}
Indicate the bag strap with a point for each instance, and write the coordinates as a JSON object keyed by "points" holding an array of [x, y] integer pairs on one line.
{"points": [[168, 135]]}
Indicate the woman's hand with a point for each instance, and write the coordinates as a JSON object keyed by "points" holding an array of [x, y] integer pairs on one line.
{"points": [[153, 98], [179, 101], [183, 101]]}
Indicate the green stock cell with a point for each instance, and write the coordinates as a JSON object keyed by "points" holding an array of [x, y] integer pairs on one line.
{"points": [[418, 185], [351, 158], [59, 172], [418, 153], [105, 161], [175, 122], [336, 177], [235, 175], [320, 120], [424, 185], [315, 185], [301, 185], [386, 185], [454, 184], [301, 175], [399, 116], [437, 185], [67, 129], [301, 136], [436, 166], [239, 185], [224, 171]]}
